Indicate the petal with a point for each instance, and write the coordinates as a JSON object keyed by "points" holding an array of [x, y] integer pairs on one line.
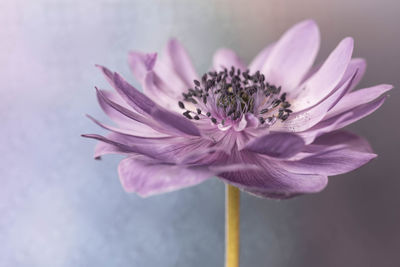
{"points": [[357, 113], [144, 105], [178, 59], [261, 58], [326, 78], [226, 58], [147, 177], [276, 144], [339, 152], [358, 65], [138, 101], [273, 180], [293, 55], [166, 149], [155, 88], [121, 110], [115, 115], [305, 119], [357, 98], [323, 127], [141, 63], [141, 130]]}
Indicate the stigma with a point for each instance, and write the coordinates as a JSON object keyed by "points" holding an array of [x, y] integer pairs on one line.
{"points": [[226, 96]]}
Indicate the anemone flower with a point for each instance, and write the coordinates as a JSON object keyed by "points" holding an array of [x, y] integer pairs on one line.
{"points": [[272, 129]]}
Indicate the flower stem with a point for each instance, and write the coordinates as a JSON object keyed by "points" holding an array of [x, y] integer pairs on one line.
{"points": [[232, 222]]}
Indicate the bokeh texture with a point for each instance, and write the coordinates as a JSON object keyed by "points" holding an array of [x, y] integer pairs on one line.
{"points": [[59, 207]]}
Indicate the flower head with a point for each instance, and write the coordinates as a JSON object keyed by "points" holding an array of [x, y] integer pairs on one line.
{"points": [[271, 129]]}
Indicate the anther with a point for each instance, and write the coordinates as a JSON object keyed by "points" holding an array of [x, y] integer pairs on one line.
{"points": [[187, 115]]}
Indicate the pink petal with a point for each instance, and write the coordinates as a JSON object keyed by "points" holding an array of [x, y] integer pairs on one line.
{"points": [[276, 144], [293, 55], [326, 78], [226, 58]]}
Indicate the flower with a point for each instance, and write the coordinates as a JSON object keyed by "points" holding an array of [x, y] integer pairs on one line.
{"points": [[272, 129]]}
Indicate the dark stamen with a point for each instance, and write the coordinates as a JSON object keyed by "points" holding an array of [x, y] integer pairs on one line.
{"points": [[235, 93]]}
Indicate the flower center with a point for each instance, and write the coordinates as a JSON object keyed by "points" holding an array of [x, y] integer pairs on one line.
{"points": [[226, 96]]}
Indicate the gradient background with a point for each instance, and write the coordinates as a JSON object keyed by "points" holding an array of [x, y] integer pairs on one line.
{"points": [[59, 207]]}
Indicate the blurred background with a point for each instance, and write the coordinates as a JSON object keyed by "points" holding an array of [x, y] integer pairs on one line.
{"points": [[59, 207]]}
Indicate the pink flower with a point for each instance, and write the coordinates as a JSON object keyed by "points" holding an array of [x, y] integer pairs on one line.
{"points": [[271, 129]]}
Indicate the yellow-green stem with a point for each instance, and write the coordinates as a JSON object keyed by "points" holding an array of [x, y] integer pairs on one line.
{"points": [[232, 223]]}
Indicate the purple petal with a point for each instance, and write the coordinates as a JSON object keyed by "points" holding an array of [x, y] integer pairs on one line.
{"points": [[146, 177], [277, 145], [145, 105], [170, 119], [359, 97], [326, 78], [178, 59], [357, 113], [155, 88], [339, 152], [261, 58], [323, 127], [115, 115], [127, 145], [293, 55], [121, 110], [226, 58], [273, 180], [141, 131], [141, 63], [358, 65], [138, 101], [303, 120]]}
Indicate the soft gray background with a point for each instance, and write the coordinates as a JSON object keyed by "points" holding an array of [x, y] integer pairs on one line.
{"points": [[59, 207]]}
